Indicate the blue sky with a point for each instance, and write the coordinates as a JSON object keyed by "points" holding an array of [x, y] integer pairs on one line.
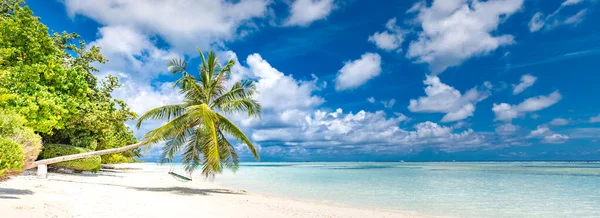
{"points": [[370, 81]]}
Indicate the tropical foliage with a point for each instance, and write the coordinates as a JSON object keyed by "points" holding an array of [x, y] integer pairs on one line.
{"points": [[12, 127], [48, 80], [11, 156], [198, 128]]}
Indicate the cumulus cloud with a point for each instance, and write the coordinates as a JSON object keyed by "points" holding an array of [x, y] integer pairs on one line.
{"points": [[595, 119], [131, 54], [527, 80], [548, 136], [364, 130], [184, 24], [285, 100], [506, 112], [136, 61], [305, 12], [456, 30], [442, 98], [279, 91], [358, 72], [556, 18], [391, 39]]}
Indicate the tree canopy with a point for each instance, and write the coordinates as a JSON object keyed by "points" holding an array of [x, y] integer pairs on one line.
{"points": [[48, 78]]}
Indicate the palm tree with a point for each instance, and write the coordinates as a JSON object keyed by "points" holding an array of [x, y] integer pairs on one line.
{"points": [[197, 127]]}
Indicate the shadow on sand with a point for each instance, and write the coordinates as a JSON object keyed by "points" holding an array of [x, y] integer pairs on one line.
{"points": [[173, 190], [6, 193]]}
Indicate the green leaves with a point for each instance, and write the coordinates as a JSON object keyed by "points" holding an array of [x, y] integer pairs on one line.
{"points": [[195, 128], [48, 79], [176, 66]]}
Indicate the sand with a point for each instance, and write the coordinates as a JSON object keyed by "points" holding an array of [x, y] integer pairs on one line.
{"points": [[139, 193]]}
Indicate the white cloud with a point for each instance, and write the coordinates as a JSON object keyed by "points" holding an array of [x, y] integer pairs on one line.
{"points": [[371, 100], [559, 122], [184, 24], [279, 91], [577, 18], [456, 30], [442, 98], [571, 2], [507, 112], [136, 61], [389, 103], [555, 19], [507, 129], [547, 135], [358, 72], [285, 100], [390, 39], [131, 53], [595, 119], [526, 81], [305, 12], [369, 131], [540, 131], [536, 22], [556, 139], [142, 98]]}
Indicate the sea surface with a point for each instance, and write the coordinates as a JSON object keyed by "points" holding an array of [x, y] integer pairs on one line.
{"points": [[479, 190]]}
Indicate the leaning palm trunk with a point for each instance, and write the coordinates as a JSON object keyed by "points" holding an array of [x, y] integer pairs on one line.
{"points": [[83, 155]]}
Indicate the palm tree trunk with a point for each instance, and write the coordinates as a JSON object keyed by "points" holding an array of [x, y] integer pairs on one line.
{"points": [[46, 162]]}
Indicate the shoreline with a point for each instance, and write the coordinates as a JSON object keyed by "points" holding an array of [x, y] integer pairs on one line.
{"points": [[143, 193]]}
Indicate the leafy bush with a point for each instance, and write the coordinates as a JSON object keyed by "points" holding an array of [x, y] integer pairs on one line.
{"points": [[11, 156], [31, 144], [85, 142], [12, 126], [117, 159], [57, 150]]}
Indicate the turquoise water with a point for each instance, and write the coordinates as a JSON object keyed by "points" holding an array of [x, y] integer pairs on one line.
{"points": [[439, 189]]}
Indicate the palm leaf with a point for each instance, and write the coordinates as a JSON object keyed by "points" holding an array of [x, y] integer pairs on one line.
{"points": [[227, 126], [166, 112]]}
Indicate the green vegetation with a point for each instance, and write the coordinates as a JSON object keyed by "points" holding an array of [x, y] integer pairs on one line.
{"points": [[48, 87], [57, 150], [11, 156], [47, 84], [12, 127], [197, 128]]}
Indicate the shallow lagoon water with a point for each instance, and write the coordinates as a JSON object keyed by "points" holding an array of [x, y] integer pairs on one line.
{"points": [[524, 189]]}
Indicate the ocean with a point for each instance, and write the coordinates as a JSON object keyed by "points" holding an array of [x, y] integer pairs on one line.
{"points": [[478, 190]]}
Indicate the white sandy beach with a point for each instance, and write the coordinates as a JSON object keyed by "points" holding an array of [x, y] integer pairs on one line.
{"points": [[138, 193]]}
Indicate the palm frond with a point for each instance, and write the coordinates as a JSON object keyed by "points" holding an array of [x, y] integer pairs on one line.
{"points": [[176, 65], [170, 129], [229, 157], [191, 154], [166, 112], [227, 126], [174, 145], [239, 99], [212, 158]]}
